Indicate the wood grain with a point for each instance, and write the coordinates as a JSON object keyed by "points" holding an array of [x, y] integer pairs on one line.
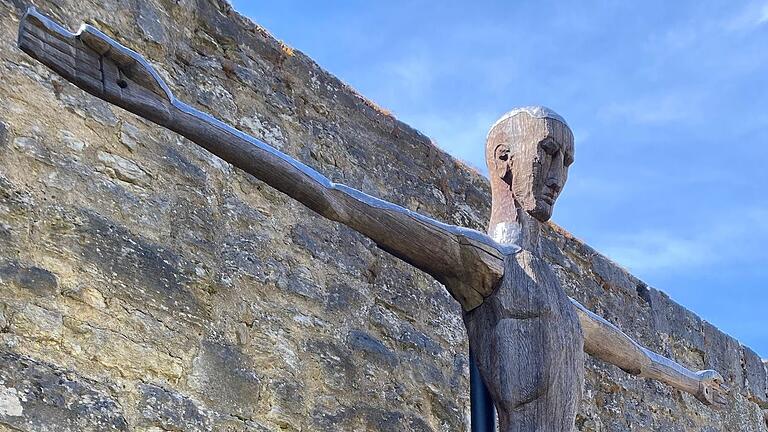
{"points": [[528, 346]]}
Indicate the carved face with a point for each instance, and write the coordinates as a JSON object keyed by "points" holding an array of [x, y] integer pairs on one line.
{"points": [[531, 157]]}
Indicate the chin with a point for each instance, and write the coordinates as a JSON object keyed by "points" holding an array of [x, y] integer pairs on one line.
{"points": [[541, 212]]}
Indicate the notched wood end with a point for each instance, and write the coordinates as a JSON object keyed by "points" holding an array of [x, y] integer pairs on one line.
{"points": [[97, 64]]}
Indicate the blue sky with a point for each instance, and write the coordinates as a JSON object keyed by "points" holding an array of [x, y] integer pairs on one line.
{"points": [[668, 102]]}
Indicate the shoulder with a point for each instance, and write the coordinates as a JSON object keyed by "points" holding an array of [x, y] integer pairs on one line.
{"points": [[484, 266]]}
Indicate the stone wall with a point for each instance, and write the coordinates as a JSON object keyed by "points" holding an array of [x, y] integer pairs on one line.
{"points": [[146, 285]]}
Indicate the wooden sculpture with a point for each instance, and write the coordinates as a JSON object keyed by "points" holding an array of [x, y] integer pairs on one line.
{"points": [[527, 337]]}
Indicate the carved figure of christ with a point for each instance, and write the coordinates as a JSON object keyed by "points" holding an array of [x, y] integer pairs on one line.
{"points": [[526, 335]]}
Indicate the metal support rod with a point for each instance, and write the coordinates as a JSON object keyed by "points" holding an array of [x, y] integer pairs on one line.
{"points": [[483, 414]]}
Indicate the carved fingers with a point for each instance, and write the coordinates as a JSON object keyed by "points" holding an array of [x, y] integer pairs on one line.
{"points": [[97, 64], [61, 51], [712, 389]]}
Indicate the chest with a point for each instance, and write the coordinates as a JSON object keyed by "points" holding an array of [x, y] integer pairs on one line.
{"points": [[528, 288]]}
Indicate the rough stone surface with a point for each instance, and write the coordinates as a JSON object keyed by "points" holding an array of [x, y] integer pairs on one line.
{"points": [[3, 135], [146, 285], [39, 396]]}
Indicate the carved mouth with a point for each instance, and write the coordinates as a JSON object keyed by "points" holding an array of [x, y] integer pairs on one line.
{"points": [[548, 197]]}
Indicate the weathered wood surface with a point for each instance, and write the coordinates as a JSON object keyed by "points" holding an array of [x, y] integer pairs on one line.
{"points": [[526, 336], [516, 313], [528, 346], [608, 343]]}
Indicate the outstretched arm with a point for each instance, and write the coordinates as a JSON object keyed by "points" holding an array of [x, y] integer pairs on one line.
{"points": [[608, 343], [467, 262]]}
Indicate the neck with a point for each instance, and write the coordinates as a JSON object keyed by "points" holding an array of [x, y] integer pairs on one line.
{"points": [[510, 224]]}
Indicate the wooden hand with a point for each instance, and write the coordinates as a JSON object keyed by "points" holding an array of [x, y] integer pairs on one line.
{"points": [[98, 65], [712, 389]]}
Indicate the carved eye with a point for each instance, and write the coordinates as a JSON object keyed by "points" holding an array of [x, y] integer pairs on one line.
{"points": [[122, 83], [550, 147], [504, 155], [568, 161]]}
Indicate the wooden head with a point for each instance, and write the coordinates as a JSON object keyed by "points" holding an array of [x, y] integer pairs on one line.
{"points": [[528, 152]]}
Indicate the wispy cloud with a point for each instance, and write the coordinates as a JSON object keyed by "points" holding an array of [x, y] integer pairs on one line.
{"points": [[681, 37], [657, 109], [762, 18], [737, 235], [652, 251], [412, 75], [463, 134], [754, 15]]}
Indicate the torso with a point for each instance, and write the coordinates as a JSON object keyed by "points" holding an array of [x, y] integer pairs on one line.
{"points": [[528, 346]]}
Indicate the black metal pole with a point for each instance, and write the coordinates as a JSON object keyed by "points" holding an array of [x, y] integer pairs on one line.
{"points": [[483, 414]]}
